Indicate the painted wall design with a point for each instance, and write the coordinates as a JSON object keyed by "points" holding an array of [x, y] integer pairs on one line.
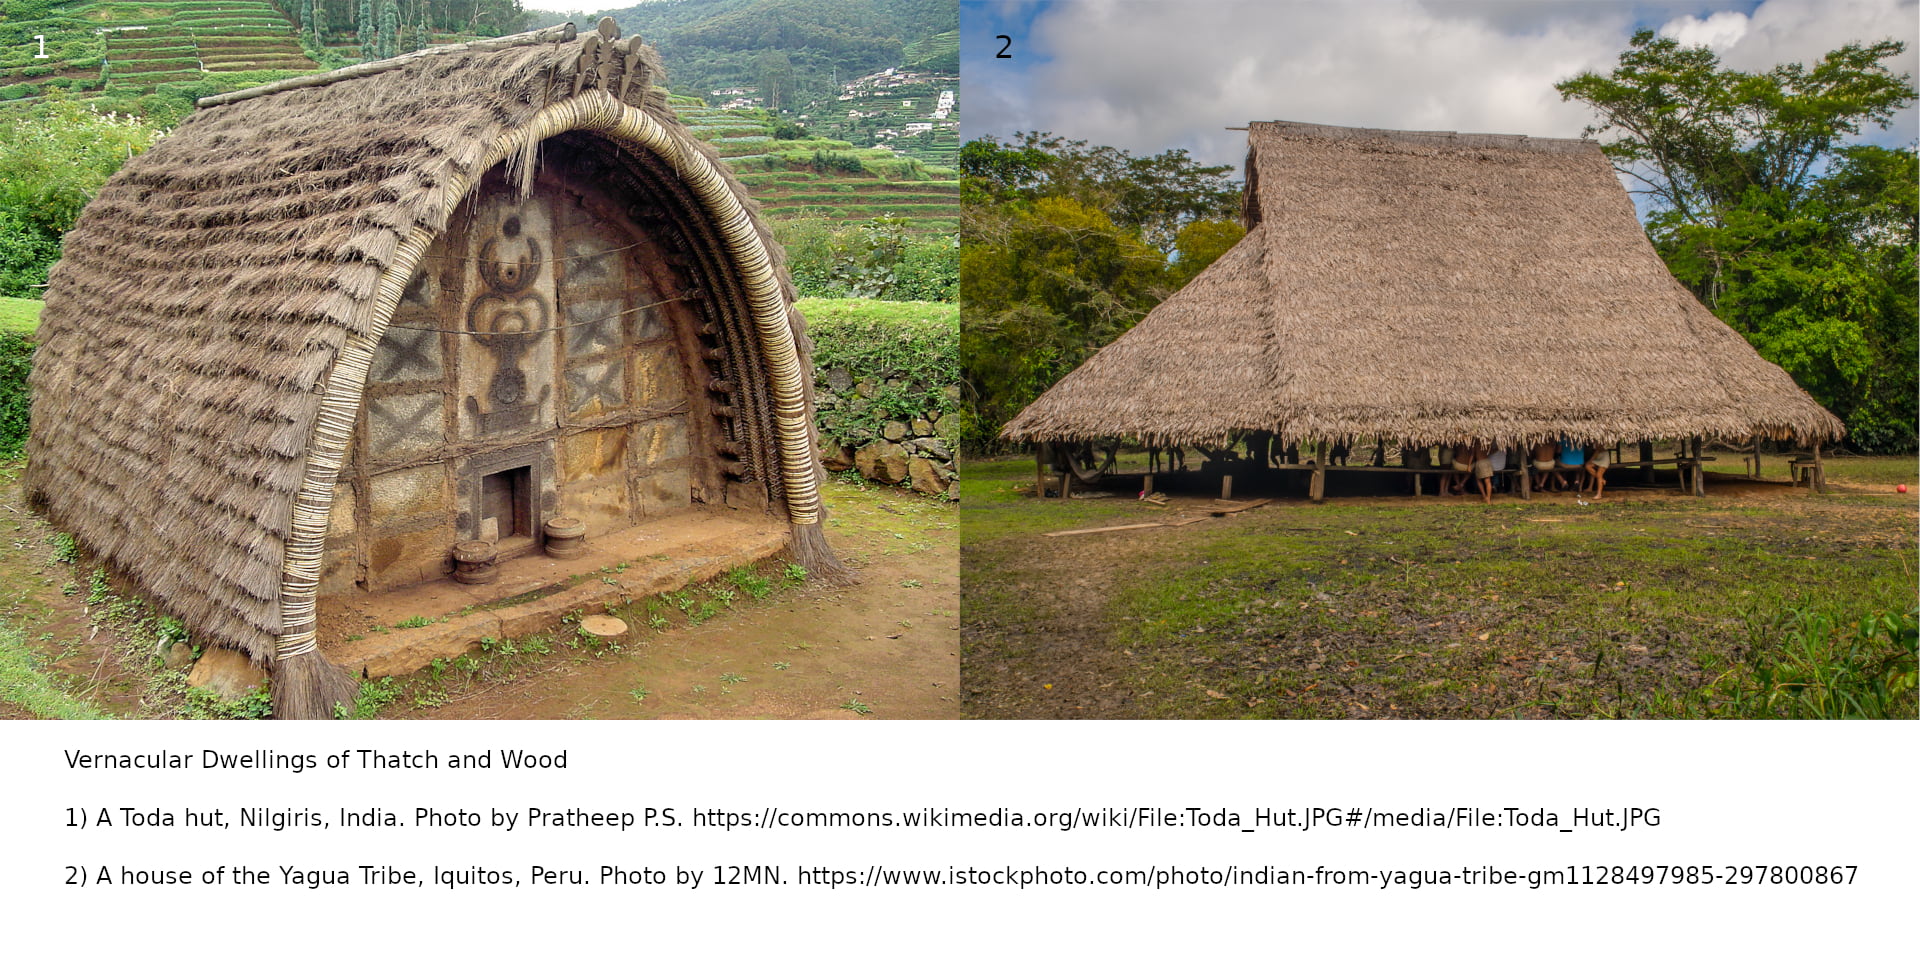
{"points": [[546, 361]]}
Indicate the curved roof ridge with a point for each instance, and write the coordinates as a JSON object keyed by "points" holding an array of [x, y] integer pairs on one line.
{"points": [[561, 33], [1283, 129]]}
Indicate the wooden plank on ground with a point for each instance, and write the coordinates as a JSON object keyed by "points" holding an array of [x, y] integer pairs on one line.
{"points": [[1221, 508], [1124, 526]]}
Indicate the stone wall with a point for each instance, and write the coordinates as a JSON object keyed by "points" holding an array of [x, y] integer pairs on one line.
{"points": [[918, 451], [887, 389]]}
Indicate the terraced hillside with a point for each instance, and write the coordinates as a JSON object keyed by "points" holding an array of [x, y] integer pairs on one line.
{"points": [[912, 111], [120, 47], [823, 179]]}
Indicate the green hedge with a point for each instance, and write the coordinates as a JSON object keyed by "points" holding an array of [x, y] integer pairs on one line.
{"points": [[910, 349], [16, 358]]}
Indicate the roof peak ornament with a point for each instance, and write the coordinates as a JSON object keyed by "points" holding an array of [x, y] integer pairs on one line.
{"points": [[610, 63]]}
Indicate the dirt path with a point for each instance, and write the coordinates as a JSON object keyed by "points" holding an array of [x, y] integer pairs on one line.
{"points": [[886, 647]]}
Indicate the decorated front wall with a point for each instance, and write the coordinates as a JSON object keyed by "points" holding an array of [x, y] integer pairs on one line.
{"points": [[544, 362]]}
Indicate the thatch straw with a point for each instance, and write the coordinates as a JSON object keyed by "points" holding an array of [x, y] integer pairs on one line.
{"points": [[1434, 287], [208, 333]]}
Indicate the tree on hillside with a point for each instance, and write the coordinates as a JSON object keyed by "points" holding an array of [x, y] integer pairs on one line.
{"points": [[368, 35], [389, 30], [1801, 242], [774, 69]]}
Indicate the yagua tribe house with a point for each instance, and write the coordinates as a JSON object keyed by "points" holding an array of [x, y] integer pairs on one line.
{"points": [[1418, 288], [345, 333]]}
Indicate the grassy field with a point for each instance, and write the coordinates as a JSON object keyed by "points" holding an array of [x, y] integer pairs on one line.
{"points": [[18, 315], [1650, 604]]}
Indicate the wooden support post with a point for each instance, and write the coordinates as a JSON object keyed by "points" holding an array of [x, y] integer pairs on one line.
{"points": [[1699, 471], [1040, 471], [1819, 472], [1146, 486], [1756, 457], [1646, 461], [1526, 480], [1066, 484], [1319, 487], [1226, 486]]}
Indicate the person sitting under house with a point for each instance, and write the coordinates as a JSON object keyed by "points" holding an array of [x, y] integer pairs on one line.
{"points": [[1496, 465], [1338, 453], [1599, 458], [1543, 470], [1570, 459], [1465, 456]]}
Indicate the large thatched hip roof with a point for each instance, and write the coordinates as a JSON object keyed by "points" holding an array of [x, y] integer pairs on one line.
{"points": [[207, 334], [1429, 287]]}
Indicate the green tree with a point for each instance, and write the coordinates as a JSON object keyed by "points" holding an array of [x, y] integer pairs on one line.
{"points": [[56, 158], [1699, 137], [1043, 285], [1801, 242], [368, 34], [1199, 244], [1155, 195], [389, 30]]}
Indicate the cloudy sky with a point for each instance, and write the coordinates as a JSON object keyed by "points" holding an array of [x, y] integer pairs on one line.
{"points": [[1147, 75]]}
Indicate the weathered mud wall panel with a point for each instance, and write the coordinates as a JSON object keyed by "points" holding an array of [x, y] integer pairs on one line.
{"points": [[546, 361]]}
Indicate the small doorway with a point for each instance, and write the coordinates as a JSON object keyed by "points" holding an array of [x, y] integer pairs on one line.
{"points": [[506, 506]]}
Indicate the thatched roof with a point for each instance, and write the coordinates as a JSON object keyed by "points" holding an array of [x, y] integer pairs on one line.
{"points": [[207, 332], [1431, 287]]}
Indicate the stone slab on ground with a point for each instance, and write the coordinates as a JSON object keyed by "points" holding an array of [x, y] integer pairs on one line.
{"points": [[228, 673], [660, 556]]}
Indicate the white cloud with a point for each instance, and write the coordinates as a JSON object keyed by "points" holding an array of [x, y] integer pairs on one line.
{"points": [[1147, 76], [1717, 31]]}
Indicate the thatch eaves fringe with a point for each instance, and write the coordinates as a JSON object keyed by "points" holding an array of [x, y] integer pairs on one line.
{"points": [[1434, 288]]}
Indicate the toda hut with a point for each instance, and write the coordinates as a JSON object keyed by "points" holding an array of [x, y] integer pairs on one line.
{"points": [[332, 327], [1420, 289]]}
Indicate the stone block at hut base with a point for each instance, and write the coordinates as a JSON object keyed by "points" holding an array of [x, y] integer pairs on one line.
{"points": [[177, 655], [836, 458], [926, 477], [227, 673], [883, 462]]}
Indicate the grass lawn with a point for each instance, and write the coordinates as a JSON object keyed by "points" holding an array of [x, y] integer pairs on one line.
{"points": [[18, 315], [1649, 604]]}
